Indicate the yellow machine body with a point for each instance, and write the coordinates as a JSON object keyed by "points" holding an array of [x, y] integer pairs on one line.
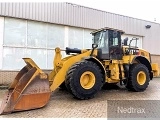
{"points": [[83, 73]]}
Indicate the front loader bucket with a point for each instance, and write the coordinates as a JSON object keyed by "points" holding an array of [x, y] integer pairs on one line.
{"points": [[29, 90]]}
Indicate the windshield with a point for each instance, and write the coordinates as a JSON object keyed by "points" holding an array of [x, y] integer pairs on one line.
{"points": [[101, 39]]}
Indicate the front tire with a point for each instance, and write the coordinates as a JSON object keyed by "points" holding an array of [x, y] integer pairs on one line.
{"points": [[138, 78], [84, 79]]}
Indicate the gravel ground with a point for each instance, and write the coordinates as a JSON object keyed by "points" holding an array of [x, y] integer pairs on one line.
{"points": [[63, 105]]}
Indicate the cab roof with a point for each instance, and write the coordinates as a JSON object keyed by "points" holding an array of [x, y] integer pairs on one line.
{"points": [[107, 28]]}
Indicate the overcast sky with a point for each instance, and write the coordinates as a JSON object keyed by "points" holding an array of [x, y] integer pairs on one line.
{"points": [[142, 9]]}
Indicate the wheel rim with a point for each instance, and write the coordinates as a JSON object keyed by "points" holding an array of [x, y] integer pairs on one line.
{"points": [[141, 78], [87, 80]]}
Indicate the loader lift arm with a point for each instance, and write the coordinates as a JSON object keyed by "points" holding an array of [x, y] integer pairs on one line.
{"points": [[61, 66]]}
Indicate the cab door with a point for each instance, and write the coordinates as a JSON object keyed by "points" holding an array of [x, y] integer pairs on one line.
{"points": [[115, 50]]}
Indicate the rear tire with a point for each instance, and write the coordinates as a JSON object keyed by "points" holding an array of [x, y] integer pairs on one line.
{"points": [[84, 79], [138, 78]]}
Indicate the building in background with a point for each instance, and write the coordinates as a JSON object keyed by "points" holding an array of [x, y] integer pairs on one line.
{"points": [[35, 29]]}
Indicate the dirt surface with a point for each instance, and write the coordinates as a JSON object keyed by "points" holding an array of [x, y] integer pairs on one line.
{"points": [[63, 105]]}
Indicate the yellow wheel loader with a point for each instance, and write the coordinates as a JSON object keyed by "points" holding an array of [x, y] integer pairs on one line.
{"points": [[82, 72]]}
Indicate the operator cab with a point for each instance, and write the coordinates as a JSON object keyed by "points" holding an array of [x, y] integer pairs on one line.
{"points": [[109, 43]]}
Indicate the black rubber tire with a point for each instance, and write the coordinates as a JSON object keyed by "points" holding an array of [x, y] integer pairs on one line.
{"points": [[73, 79], [132, 83]]}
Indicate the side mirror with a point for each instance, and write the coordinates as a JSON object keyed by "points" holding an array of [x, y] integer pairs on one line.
{"points": [[125, 41], [94, 46]]}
